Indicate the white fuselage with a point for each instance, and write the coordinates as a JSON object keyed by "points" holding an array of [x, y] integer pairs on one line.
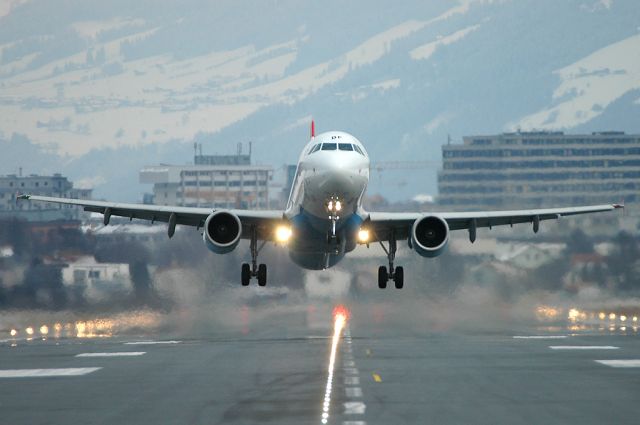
{"points": [[333, 167]]}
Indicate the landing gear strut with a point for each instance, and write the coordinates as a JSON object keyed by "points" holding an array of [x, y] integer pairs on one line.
{"points": [[394, 273], [254, 270]]}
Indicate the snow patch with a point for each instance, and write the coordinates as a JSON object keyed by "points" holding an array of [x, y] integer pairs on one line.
{"points": [[91, 29], [437, 122], [427, 50], [598, 5], [589, 86], [7, 5]]}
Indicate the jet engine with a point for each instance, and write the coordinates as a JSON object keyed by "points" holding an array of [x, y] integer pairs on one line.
{"points": [[429, 236], [222, 231]]}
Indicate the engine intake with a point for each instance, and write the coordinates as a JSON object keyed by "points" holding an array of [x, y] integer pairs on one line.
{"points": [[429, 236], [222, 231]]}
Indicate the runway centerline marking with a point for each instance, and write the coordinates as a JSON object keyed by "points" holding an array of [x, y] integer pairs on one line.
{"points": [[117, 354], [46, 373], [376, 377], [151, 342], [354, 408], [539, 337], [620, 363], [353, 392], [351, 371], [583, 347], [351, 380]]}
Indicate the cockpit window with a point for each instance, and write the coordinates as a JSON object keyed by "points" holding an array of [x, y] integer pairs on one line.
{"points": [[329, 146], [314, 148], [345, 146], [357, 148]]}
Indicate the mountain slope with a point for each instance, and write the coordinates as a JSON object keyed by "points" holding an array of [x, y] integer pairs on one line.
{"points": [[90, 82]]}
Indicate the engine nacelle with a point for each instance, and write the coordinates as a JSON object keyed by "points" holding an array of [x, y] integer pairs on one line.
{"points": [[429, 235], [222, 231]]}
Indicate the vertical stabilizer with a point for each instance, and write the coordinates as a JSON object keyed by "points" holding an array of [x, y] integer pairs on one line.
{"points": [[313, 129]]}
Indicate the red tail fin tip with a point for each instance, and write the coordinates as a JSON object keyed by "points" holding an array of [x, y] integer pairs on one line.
{"points": [[313, 129]]}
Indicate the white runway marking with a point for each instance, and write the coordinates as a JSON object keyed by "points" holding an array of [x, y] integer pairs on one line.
{"points": [[351, 380], [354, 408], [620, 363], [354, 423], [539, 337], [151, 342], [353, 392], [45, 373], [349, 363], [583, 347], [121, 354], [351, 371]]}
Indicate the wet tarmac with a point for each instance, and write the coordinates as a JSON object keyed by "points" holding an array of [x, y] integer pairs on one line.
{"points": [[273, 367]]}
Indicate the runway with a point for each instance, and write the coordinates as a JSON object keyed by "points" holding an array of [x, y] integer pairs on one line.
{"points": [[271, 366]]}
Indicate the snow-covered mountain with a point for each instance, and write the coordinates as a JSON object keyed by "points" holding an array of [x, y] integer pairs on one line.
{"points": [[97, 89]]}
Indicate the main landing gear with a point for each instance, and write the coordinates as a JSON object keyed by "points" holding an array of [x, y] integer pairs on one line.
{"points": [[394, 273], [254, 270]]}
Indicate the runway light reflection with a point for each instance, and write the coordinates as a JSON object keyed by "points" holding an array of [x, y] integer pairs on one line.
{"points": [[340, 315]]}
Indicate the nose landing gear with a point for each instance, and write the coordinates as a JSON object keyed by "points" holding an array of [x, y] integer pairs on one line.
{"points": [[254, 270], [394, 273]]}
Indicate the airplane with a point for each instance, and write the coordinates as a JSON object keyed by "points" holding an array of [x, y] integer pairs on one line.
{"points": [[324, 218]]}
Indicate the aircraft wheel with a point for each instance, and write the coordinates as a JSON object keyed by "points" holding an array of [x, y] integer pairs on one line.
{"points": [[245, 275], [398, 277], [262, 275], [383, 277]]}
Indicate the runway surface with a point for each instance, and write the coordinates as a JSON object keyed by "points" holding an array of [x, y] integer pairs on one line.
{"points": [[271, 365]]}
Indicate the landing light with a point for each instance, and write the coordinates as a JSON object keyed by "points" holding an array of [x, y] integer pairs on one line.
{"points": [[283, 233], [363, 236], [338, 205]]}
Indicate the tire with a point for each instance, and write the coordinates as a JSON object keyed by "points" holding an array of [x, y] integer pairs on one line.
{"points": [[383, 277], [398, 278], [262, 275], [245, 274]]}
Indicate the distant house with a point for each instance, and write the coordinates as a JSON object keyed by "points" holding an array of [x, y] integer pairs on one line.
{"points": [[528, 256], [96, 280]]}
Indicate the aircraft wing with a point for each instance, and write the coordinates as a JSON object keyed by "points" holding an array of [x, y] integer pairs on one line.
{"points": [[384, 223], [264, 221]]}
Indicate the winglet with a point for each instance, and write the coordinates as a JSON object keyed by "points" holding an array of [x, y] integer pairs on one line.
{"points": [[313, 129], [620, 205]]}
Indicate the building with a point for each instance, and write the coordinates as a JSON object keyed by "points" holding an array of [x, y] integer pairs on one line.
{"points": [[217, 181], [55, 185], [539, 169]]}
